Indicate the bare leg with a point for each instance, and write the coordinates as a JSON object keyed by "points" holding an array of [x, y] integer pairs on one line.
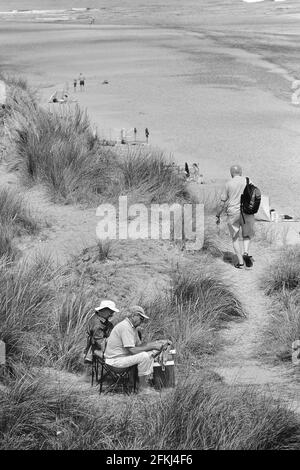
{"points": [[246, 242], [237, 250]]}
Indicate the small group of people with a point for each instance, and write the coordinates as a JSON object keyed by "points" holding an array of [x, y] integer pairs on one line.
{"points": [[81, 81], [193, 173], [122, 344], [240, 223], [124, 139]]}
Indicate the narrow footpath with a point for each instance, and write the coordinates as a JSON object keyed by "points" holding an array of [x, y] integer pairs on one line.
{"points": [[240, 362]]}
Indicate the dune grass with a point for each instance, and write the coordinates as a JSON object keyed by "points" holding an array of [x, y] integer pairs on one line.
{"points": [[15, 213], [43, 311], [283, 273], [41, 412], [15, 220], [192, 312], [60, 150], [198, 415], [67, 336], [150, 175], [27, 298], [281, 281]]}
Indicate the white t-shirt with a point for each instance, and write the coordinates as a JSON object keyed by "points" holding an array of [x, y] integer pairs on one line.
{"points": [[233, 190], [123, 336]]}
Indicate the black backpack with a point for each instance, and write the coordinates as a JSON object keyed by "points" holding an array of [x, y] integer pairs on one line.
{"points": [[250, 199]]}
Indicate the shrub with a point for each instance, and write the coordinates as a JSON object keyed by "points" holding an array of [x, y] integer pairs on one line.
{"points": [[104, 249]]}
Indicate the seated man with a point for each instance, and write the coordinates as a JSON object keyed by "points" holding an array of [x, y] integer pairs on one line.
{"points": [[98, 328], [124, 348]]}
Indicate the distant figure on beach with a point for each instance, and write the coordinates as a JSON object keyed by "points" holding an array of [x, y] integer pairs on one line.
{"points": [[81, 81], [135, 132], [75, 84], [92, 20], [123, 136], [195, 172], [186, 170], [147, 134], [239, 223]]}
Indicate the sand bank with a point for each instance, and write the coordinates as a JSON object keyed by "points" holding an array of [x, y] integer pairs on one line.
{"points": [[203, 101]]}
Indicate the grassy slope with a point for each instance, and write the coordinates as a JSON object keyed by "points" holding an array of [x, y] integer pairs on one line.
{"points": [[44, 310]]}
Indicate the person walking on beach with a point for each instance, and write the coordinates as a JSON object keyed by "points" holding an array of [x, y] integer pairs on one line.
{"points": [[147, 134], [239, 223], [135, 132], [75, 84], [81, 82]]}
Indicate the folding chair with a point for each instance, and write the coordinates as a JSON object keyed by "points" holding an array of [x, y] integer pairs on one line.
{"points": [[119, 380]]}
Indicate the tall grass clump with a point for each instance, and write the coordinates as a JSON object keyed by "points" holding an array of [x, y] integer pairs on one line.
{"points": [[7, 246], [15, 220], [56, 150], [38, 413], [27, 298], [202, 416], [281, 281], [15, 213], [67, 337], [152, 177], [42, 411], [283, 327], [283, 273], [192, 312]]}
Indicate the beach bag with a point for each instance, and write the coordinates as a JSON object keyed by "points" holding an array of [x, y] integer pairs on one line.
{"points": [[250, 199]]}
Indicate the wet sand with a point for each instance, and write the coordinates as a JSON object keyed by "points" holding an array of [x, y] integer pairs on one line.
{"points": [[206, 96]]}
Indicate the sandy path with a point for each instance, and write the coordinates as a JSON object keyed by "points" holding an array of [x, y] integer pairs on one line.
{"points": [[239, 363]]}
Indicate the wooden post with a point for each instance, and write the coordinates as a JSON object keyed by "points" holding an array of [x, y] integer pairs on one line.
{"points": [[2, 353]]}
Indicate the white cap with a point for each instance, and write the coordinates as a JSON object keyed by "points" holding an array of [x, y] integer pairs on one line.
{"points": [[107, 304]]}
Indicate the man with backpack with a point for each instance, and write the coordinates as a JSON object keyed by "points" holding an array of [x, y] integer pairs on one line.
{"points": [[240, 199]]}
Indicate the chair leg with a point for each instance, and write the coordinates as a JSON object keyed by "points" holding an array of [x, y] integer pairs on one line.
{"points": [[97, 372], [101, 379], [93, 365]]}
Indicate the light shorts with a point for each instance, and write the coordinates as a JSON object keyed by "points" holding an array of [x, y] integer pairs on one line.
{"points": [[237, 226]]}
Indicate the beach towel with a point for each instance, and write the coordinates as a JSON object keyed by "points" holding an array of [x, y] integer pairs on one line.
{"points": [[264, 209]]}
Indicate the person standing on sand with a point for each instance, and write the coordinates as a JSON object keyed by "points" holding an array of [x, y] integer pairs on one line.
{"points": [[75, 84], [147, 134], [238, 224], [81, 81]]}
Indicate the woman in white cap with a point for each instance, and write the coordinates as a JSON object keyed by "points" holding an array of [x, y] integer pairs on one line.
{"points": [[124, 349], [99, 327]]}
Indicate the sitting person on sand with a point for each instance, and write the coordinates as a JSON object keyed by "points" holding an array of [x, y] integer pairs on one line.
{"points": [[124, 347], [231, 202]]}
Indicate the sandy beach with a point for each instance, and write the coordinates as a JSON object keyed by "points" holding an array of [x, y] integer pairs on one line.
{"points": [[213, 89]]}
